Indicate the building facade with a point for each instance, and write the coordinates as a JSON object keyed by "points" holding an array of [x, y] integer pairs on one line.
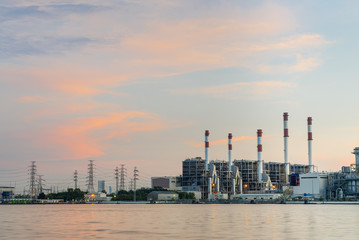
{"points": [[195, 177], [169, 183], [101, 185], [6, 193]]}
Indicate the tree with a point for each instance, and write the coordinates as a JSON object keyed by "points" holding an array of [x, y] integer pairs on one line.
{"points": [[41, 196], [71, 194]]}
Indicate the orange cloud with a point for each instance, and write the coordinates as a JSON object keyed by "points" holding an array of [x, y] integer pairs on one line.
{"points": [[85, 137], [220, 141], [63, 78], [35, 99]]}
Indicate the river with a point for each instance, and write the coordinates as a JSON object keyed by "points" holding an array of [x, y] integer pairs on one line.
{"points": [[179, 221]]}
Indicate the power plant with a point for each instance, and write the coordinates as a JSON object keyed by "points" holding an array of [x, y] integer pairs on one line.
{"points": [[231, 179], [235, 179]]}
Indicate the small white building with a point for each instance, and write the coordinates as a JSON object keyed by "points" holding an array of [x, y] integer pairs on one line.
{"points": [[311, 185]]}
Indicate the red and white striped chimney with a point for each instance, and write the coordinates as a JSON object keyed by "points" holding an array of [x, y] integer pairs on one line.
{"points": [[229, 151], [286, 136], [310, 140], [259, 148], [206, 148]]}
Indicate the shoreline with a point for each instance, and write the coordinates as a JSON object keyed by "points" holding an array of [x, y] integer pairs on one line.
{"points": [[192, 203]]}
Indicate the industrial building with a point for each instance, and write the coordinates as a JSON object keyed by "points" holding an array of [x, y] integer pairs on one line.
{"points": [[345, 183], [246, 176], [162, 196], [194, 177], [169, 183], [6, 193], [312, 185], [101, 185]]}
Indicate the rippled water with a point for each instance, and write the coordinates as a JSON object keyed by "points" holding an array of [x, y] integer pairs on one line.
{"points": [[146, 221]]}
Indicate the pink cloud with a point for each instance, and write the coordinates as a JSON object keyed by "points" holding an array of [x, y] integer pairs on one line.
{"points": [[64, 79], [34, 99], [85, 137]]}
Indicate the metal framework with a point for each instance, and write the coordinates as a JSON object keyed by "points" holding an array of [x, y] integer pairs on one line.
{"points": [[32, 190], [194, 175], [90, 178]]}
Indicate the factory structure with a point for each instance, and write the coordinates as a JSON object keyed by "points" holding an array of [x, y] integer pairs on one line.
{"points": [[257, 179]]}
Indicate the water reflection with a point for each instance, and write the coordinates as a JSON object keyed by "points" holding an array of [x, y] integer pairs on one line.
{"points": [[179, 221]]}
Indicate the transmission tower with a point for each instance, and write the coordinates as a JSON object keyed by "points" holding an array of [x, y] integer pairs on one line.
{"points": [[32, 189], [135, 178], [90, 187], [40, 188], [122, 177], [130, 185], [116, 178], [75, 178]]}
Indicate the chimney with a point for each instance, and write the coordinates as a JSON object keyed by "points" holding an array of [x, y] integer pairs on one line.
{"points": [[310, 140], [259, 147]]}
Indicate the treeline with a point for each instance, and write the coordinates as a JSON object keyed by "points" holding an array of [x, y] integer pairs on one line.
{"points": [[70, 195], [141, 194]]}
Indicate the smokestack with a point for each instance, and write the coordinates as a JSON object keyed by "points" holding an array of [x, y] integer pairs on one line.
{"points": [[230, 151], [230, 163], [286, 136], [356, 152], [310, 140], [206, 148], [259, 147]]}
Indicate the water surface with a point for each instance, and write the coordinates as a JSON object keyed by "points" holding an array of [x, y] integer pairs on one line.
{"points": [[147, 221]]}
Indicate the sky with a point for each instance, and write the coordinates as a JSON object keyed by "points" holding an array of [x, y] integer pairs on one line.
{"points": [[137, 82]]}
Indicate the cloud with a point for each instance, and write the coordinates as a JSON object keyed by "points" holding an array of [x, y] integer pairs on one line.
{"points": [[65, 79], [301, 64], [304, 41], [242, 90], [220, 141], [88, 136], [13, 12], [31, 30], [305, 64], [15, 46], [34, 99], [163, 42]]}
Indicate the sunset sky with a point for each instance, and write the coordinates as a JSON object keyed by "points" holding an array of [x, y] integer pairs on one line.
{"points": [[137, 82]]}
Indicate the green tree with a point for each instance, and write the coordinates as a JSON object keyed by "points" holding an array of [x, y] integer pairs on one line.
{"points": [[71, 194], [41, 196]]}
